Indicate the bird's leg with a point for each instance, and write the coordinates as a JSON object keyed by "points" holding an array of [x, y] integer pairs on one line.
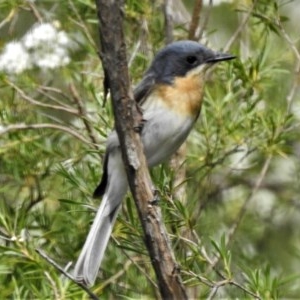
{"points": [[156, 197], [140, 126], [141, 120]]}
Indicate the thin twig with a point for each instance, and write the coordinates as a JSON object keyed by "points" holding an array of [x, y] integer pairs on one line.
{"points": [[83, 115], [23, 126], [168, 21], [82, 24], [202, 279], [8, 18], [52, 283], [116, 275], [215, 285], [134, 53], [213, 292], [62, 271], [39, 196], [54, 90], [205, 20], [35, 102], [224, 281], [243, 209], [135, 263], [295, 84], [49, 95], [240, 28], [195, 19], [35, 10], [244, 289]]}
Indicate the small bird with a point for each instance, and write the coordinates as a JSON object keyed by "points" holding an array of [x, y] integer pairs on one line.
{"points": [[170, 97]]}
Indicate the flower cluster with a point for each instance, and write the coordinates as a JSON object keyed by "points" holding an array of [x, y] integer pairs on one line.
{"points": [[44, 46]]}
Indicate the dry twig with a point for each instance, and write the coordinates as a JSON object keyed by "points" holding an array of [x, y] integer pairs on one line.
{"points": [[29, 99], [83, 116], [194, 24], [62, 271], [22, 126]]}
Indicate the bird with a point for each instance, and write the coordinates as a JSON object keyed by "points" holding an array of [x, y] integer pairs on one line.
{"points": [[170, 99]]}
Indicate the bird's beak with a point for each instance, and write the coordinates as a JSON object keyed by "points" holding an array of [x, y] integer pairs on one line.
{"points": [[220, 57]]}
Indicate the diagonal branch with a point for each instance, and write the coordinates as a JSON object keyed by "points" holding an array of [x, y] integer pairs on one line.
{"points": [[241, 27], [195, 19], [29, 99], [295, 84], [65, 273], [22, 126], [127, 117], [83, 114]]}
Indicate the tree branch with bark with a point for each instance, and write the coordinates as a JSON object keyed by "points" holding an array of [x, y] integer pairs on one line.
{"points": [[127, 118]]}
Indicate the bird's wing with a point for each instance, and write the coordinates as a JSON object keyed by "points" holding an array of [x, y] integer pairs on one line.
{"points": [[100, 190], [141, 92], [144, 88]]}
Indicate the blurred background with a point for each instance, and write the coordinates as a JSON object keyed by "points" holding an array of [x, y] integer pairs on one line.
{"points": [[230, 197]]}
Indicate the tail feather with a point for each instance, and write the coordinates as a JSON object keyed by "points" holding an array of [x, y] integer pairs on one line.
{"points": [[89, 261]]}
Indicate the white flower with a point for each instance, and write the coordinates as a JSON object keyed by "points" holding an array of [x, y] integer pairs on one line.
{"points": [[40, 34], [43, 46], [13, 238], [49, 46], [45, 34], [62, 39], [14, 59], [51, 58]]}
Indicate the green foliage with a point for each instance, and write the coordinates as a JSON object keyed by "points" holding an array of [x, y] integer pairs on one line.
{"points": [[236, 233]]}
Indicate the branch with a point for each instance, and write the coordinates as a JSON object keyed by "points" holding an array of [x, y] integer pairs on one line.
{"points": [[224, 281], [243, 209], [83, 115], [35, 11], [134, 262], [195, 19], [205, 20], [49, 92], [34, 102], [81, 23], [295, 84], [168, 21], [240, 28], [9, 17], [62, 271], [127, 117], [22, 126]]}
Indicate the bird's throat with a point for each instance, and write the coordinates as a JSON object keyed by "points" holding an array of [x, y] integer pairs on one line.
{"points": [[184, 96]]}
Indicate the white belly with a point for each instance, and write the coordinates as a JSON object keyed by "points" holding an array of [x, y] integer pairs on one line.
{"points": [[163, 133]]}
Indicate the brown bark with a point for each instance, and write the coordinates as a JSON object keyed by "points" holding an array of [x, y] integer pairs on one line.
{"points": [[195, 19], [127, 117]]}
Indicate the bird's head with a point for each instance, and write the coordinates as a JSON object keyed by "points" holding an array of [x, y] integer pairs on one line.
{"points": [[182, 58], [182, 61]]}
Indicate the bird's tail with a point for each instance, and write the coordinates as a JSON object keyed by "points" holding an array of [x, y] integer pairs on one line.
{"points": [[89, 261]]}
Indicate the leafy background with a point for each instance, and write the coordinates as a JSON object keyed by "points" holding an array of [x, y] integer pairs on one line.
{"points": [[233, 218]]}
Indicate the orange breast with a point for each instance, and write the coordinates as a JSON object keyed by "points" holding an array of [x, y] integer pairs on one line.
{"points": [[184, 96]]}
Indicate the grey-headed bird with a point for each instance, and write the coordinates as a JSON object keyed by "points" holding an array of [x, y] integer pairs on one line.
{"points": [[170, 97]]}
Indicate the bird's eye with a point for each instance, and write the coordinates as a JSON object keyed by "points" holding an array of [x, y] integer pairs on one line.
{"points": [[191, 60]]}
